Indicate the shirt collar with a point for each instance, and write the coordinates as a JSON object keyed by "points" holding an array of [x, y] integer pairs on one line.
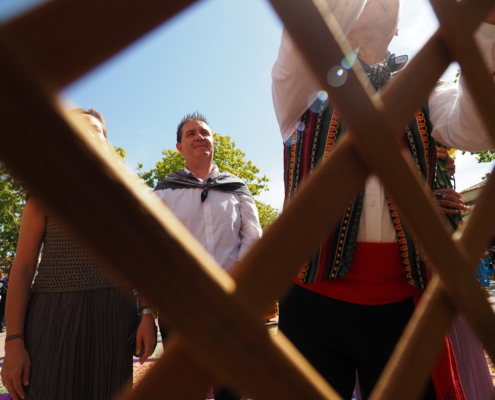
{"points": [[395, 63], [380, 73], [212, 174]]}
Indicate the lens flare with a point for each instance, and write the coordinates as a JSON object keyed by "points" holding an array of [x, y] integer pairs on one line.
{"points": [[322, 96], [300, 126], [337, 76], [318, 102], [350, 59]]}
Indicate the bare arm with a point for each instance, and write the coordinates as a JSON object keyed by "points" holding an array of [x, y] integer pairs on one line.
{"points": [[15, 370], [146, 333]]}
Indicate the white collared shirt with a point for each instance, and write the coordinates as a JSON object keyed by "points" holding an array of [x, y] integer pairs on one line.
{"points": [[225, 224], [453, 114]]}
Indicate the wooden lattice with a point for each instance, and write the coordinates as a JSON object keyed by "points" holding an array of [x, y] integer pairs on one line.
{"points": [[54, 44]]}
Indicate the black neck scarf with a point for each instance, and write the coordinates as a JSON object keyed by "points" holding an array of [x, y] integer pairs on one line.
{"points": [[379, 74], [224, 182]]}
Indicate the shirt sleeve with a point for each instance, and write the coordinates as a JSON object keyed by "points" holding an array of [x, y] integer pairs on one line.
{"points": [[161, 195], [293, 83], [456, 121], [250, 224]]}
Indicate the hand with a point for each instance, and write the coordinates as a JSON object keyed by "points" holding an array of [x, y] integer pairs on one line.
{"points": [[16, 368], [442, 154], [145, 336], [452, 204]]}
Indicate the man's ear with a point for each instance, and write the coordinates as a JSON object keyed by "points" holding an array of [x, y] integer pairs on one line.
{"points": [[178, 146], [397, 32]]}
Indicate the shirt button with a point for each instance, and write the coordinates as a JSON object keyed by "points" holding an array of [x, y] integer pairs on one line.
{"points": [[373, 203]]}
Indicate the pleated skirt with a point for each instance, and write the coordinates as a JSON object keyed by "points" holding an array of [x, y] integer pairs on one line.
{"points": [[79, 344]]}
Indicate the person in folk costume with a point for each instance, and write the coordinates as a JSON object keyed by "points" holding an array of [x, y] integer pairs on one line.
{"points": [[215, 206], [354, 295]]}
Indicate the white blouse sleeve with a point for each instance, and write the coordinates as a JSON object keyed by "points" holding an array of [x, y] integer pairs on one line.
{"points": [[293, 83], [456, 121]]}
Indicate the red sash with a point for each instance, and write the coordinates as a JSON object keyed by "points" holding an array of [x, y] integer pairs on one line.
{"points": [[376, 276]]}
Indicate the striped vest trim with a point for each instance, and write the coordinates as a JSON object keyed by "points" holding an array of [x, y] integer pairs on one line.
{"points": [[312, 142]]}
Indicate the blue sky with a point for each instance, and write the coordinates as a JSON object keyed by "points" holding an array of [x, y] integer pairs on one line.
{"points": [[215, 57]]}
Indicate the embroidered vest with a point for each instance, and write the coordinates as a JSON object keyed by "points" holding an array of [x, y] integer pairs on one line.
{"points": [[312, 142]]}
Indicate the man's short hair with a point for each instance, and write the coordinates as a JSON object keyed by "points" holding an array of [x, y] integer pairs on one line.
{"points": [[195, 116], [94, 113]]}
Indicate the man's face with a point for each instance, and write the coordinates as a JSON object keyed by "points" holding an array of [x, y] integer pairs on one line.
{"points": [[197, 141], [378, 15]]}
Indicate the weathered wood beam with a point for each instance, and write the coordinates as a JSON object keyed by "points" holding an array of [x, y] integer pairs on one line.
{"points": [[176, 375], [464, 48], [325, 53], [66, 39], [130, 232]]}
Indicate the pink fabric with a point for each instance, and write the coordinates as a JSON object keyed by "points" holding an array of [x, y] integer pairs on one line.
{"points": [[471, 362]]}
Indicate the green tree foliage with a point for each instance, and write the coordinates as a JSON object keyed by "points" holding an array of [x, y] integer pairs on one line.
{"points": [[120, 151], [12, 202], [228, 158], [172, 161], [483, 156], [267, 214]]}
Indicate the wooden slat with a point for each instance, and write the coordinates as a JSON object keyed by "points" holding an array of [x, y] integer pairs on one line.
{"points": [[480, 226], [446, 240], [225, 309], [410, 365], [417, 79], [477, 237], [66, 39], [374, 139], [163, 378], [401, 372], [199, 291], [266, 271], [464, 48], [262, 267], [448, 258]]}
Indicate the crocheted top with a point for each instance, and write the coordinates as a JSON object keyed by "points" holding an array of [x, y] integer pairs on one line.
{"points": [[67, 265]]}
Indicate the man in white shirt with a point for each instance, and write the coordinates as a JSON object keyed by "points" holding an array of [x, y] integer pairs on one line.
{"points": [[216, 207], [355, 295]]}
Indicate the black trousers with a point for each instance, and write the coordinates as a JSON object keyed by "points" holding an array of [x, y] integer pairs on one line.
{"points": [[220, 394], [339, 338]]}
